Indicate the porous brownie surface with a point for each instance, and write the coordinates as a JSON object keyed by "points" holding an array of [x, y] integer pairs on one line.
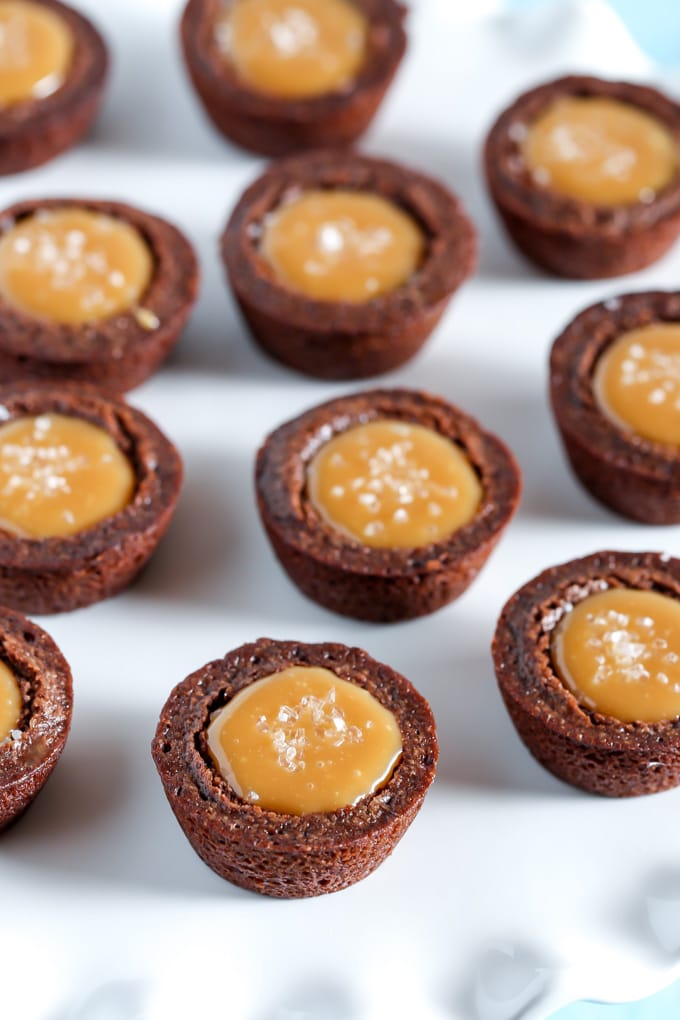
{"points": [[565, 235], [60, 573], [595, 752], [379, 584], [343, 340], [119, 352], [29, 754], [632, 475], [275, 126], [36, 130], [279, 854]]}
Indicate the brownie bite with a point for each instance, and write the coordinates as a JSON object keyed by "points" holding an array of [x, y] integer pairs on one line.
{"points": [[292, 853]]}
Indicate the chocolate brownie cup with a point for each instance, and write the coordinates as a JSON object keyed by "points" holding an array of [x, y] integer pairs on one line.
{"points": [[35, 671], [347, 339], [39, 123], [275, 124], [345, 573], [631, 473], [616, 229], [107, 342], [76, 565], [275, 853], [579, 744]]}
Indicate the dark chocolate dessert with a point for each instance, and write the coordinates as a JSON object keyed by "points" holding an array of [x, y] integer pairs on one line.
{"points": [[112, 346], [570, 227], [279, 854], [347, 339], [347, 574], [275, 124], [36, 673], [564, 729]]}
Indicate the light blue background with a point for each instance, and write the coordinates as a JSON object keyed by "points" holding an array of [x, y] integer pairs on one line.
{"points": [[656, 26]]}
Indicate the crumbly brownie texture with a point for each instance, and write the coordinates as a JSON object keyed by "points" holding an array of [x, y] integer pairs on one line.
{"points": [[344, 340], [278, 854], [275, 126], [117, 353], [564, 235], [636, 477], [35, 131], [380, 585], [52, 575], [29, 754], [595, 752]]}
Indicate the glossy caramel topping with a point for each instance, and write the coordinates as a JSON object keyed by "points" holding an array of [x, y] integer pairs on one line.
{"points": [[302, 741], [601, 151], [36, 49], [293, 49], [73, 265], [619, 652], [59, 475], [10, 701], [637, 382], [342, 245], [393, 484]]}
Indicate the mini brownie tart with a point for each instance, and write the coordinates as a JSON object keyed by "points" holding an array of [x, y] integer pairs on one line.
{"points": [[88, 486], [277, 76], [343, 265], [36, 699], [385, 505], [585, 174], [90, 291], [53, 66], [615, 391], [323, 832], [587, 657]]}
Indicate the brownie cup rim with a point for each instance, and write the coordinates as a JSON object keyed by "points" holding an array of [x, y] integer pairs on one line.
{"points": [[387, 45], [518, 194], [170, 295], [451, 243], [46, 686], [539, 605], [287, 510], [183, 750], [156, 463], [573, 361], [82, 82]]}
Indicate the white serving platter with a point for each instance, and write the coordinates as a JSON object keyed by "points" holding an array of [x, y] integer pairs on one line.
{"points": [[512, 894]]}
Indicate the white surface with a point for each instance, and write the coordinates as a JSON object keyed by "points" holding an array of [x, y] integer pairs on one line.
{"points": [[512, 894]]}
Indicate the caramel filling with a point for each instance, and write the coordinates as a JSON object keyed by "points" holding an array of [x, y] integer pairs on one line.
{"points": [[342, 245], [73, 265], [293, 48], [302, 741], [619, 652], [601, 151], [59, 475], [10, 702], [392, 484], [637, 382], [36, 49]]}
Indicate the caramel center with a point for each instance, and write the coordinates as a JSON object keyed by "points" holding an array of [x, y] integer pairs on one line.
{"points": [[392, 484], [601, 151], [619, 652], [73, 265], [342, 245], [637, 382], [302, 741], [293, 48], [10, 701], [59, 475], [36, 49]]}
